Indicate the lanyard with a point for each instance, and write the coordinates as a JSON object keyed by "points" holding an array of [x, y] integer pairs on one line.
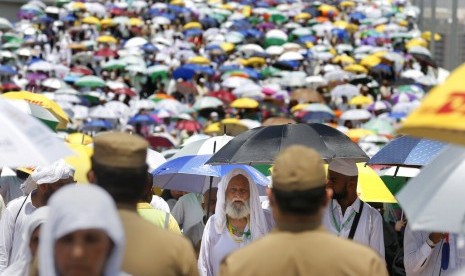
{"points": [[336, 224]]}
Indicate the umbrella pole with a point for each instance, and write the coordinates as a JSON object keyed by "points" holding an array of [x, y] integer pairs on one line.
{"points": [[210, 187], [396, 171]]}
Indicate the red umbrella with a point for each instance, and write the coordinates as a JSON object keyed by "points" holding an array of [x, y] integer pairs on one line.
{"points": [[10, 86], [186, 87], [125, 91], [106, 52], [159, 141], [223, 95], [188, 125], [82, 70]]}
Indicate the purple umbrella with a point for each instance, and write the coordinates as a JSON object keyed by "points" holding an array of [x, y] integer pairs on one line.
{"points": [[403, 98], [265, 26], [34, 77], [379, 105]]}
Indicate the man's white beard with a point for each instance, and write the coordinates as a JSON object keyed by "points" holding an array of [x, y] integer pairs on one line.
{"points": [[237, 209]]}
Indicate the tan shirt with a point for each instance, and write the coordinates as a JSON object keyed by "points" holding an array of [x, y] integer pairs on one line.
{"points": [[311, 252], [154, 251]]}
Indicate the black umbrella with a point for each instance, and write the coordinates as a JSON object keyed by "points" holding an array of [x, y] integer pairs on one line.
{"points": [[261, 145]]}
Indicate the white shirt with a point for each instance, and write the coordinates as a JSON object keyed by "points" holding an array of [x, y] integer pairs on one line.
{"points": [[421, 259], [369, 229], [215, 247], [10, 232]]}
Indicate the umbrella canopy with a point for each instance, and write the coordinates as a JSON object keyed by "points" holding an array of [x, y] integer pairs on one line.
{"points": [[90, 81], [355, 115], [191, 174], [439, 116], [244, 103], [41, 100], [407, 151], [307, 95], [25, 141], [260, 145], [440, 207], [207, 102], [204, 146], [36, 111]]}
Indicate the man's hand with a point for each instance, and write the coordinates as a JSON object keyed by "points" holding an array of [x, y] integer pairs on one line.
{"points": [[399, 225], [436, 237]]}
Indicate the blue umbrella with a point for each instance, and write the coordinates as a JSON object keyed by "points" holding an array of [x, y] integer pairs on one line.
{"points": [[189, 173], [142, 119], [316, 117], [183, 73], [7, 70], [69, 18], [193, 32], [357, 16], [200, 68], [407, 151], [149, 48], [97, 124]]}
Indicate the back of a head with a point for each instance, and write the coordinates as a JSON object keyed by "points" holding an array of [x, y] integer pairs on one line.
{"points": [[119, 165], [299, 180], [81, 207]]}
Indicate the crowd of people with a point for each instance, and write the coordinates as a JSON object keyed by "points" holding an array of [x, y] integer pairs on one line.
{"points": [[131, 77]]}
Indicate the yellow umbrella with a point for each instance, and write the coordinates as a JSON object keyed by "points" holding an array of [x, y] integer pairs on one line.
{"points": [[232, 126], [41, 100], [91, 20], [352, 28], [360, 100], [327, 8], [79, 138], [253, 61], [192, 25], [370, 61], [380, 28], [344, 59], [380, 54], [80, 161], [356, 68], [356, 133], [346, 4], [213, 128], [370, 187], [77, 46], [299, 107], [177, 2], [302, 16], [427, 35], [227, 46], [416, 42], [309, 45], [244, 103], [227, 7], [107, 39], [341, 24], [136, 22], [107, 22], [78, 6], [199, 60], [441, 115]]}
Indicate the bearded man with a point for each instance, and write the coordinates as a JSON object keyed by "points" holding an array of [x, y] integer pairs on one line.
{"points": [[238, 220]]}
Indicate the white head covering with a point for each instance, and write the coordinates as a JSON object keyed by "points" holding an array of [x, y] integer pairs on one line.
{"points": [[258, 224], [52, 173], [78, 207]]}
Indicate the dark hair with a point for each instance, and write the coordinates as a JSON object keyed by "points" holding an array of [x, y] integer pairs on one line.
{"points": [[125, 185], [306, 202]]}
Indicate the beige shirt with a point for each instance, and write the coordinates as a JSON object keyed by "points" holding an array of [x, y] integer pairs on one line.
{"points": [[154, 251], [311, 252]]}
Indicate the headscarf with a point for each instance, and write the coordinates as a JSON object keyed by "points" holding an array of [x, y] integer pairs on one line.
{"points": [[52, 173], [79, 207], [258, 225]]}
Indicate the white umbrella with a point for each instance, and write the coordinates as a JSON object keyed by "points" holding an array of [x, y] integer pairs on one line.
{"points": [[275, 50], [291, 56], [25, 141], [154, 159], [207, 102], [440, 207], [234, 82], [161, 20], [66, 90], [293, 78], [280, 34], [135, 42], [315, 81], [5, 24], [195, 138], [101, 112], [142, 104], [251, 48], [249, 88], [54, 83], [206, 146], [41, 66], [172, 105], [348, 90], [118, 107], [80, 112], [412, 74], [67, 98], [337, 75], [355, 115]]}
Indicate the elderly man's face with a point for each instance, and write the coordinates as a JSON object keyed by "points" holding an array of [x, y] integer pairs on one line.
{"points": [[238, 189], [237, 197]]}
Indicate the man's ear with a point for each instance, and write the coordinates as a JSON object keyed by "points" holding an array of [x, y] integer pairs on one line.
{"points": [[329, 196], [91, 176], [271, 198]]}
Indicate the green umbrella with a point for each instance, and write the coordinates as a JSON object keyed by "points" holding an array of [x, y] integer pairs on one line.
{"points": [[114, 64], [269, 71], [90, 81], [380, 126], [158, 72], [264, 169], [273, 41], [278, 18]]}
